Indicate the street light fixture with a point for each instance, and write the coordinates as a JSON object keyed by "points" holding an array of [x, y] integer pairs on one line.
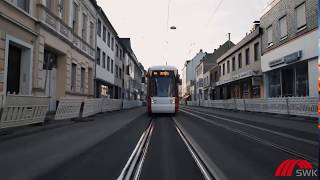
{"points": [[173, 27]]}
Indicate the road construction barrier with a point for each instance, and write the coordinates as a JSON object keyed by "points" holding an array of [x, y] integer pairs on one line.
{"points": [[301, 106], [110, 104], [68, 108], [91, 107], [131, 104], [21, 110]]}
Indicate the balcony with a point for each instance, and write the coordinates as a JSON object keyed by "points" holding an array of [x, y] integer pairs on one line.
{"points": [[56, 24]]}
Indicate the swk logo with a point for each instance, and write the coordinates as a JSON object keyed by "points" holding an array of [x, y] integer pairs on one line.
{"points": [[296, 167]]}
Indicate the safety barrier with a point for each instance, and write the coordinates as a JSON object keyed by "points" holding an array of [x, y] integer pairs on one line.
{"points": [[23, 110], [131, 104], [91, 107], [68, 108], [301, 106], [110, 104]]}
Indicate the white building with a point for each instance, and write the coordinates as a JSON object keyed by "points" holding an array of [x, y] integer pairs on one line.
{"points": [[289, 46], [109, 66]]}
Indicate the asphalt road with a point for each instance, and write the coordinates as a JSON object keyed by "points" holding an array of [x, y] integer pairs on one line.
{"points": [[167, 156], [233, 145]]}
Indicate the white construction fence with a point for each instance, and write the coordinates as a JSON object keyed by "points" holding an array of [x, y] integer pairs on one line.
{"points": [[300, 106], [24, 110]]}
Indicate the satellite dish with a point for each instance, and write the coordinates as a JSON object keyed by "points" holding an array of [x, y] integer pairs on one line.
{"points": [[173, 27]]}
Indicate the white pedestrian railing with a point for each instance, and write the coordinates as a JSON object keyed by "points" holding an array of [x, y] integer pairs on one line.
{"points": [[91, 107], [111, 104], [68, 108], [131, 104], [301, 106], [23, 110]]}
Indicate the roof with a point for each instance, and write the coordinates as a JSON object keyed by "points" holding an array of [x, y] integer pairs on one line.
{"points": [[168, 68], [247, 39], [106, 19], [210, 59]]}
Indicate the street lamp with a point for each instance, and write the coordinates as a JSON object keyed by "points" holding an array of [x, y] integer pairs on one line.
{"points": [[173, 28]]}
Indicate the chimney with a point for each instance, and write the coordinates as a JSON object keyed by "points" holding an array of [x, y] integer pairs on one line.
{"points": [[229, 36], [256, 24], [201, 50], [215, 50]]}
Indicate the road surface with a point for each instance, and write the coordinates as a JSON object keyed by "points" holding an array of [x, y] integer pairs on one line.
{"points": [[197, 143]]}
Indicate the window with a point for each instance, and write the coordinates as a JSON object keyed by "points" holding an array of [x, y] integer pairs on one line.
{"points": [[275, 86], [73, 77], [109, 39], [111, 65], [302, 87], [98, 55], [269, 34], [104, 33], [91, 34], [99, 28], [84, 26], [283, 27], [223, 69], [49, 4], [108, 63], [117, 50], [216, 78], [301, 16], [247, 56], [239, 60], [103, 59], [117, 71], [112, 43], [220, 70], [256, 52], [228, 67], [120, 73], [233, 63], [74, 17], [61, 9], [23, 4], [83, 76]]}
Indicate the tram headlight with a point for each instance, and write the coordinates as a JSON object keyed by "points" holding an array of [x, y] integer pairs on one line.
{"points": [[153, 101], [173, 101]]}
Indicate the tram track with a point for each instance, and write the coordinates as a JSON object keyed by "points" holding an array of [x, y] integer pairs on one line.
{"points": [[135, 164]]}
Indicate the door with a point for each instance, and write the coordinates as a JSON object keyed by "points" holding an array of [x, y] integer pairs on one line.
{"points": [[50, 67], [13, 75], [288, 88]]}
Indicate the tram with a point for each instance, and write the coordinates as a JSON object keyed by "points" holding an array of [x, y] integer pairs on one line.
{"points": [[162, 89]]}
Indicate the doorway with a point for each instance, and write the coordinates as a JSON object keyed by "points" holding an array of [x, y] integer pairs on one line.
{"points": [[14, 63]]}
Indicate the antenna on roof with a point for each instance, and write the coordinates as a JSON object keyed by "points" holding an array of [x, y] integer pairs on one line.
{"points": [[166, 63]]}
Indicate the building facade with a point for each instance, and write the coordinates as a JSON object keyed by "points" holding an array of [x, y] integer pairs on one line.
{"points": [[109, 59], [134, 71], [190, 80], [240, 68], [289, 48], [48, 48], [210, 70]]}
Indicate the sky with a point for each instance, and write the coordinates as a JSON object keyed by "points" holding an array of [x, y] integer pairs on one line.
{"points": [[200, 24]]}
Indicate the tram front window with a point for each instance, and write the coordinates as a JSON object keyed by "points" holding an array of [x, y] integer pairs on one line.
{"points": [[162, 87]]}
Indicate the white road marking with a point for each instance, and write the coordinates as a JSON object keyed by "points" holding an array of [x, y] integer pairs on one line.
{"points": [[315, 143], [262, 141], [198, 155]]}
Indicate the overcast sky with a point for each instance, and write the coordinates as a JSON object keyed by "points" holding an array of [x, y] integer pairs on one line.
{"points": [[201, 24]]}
